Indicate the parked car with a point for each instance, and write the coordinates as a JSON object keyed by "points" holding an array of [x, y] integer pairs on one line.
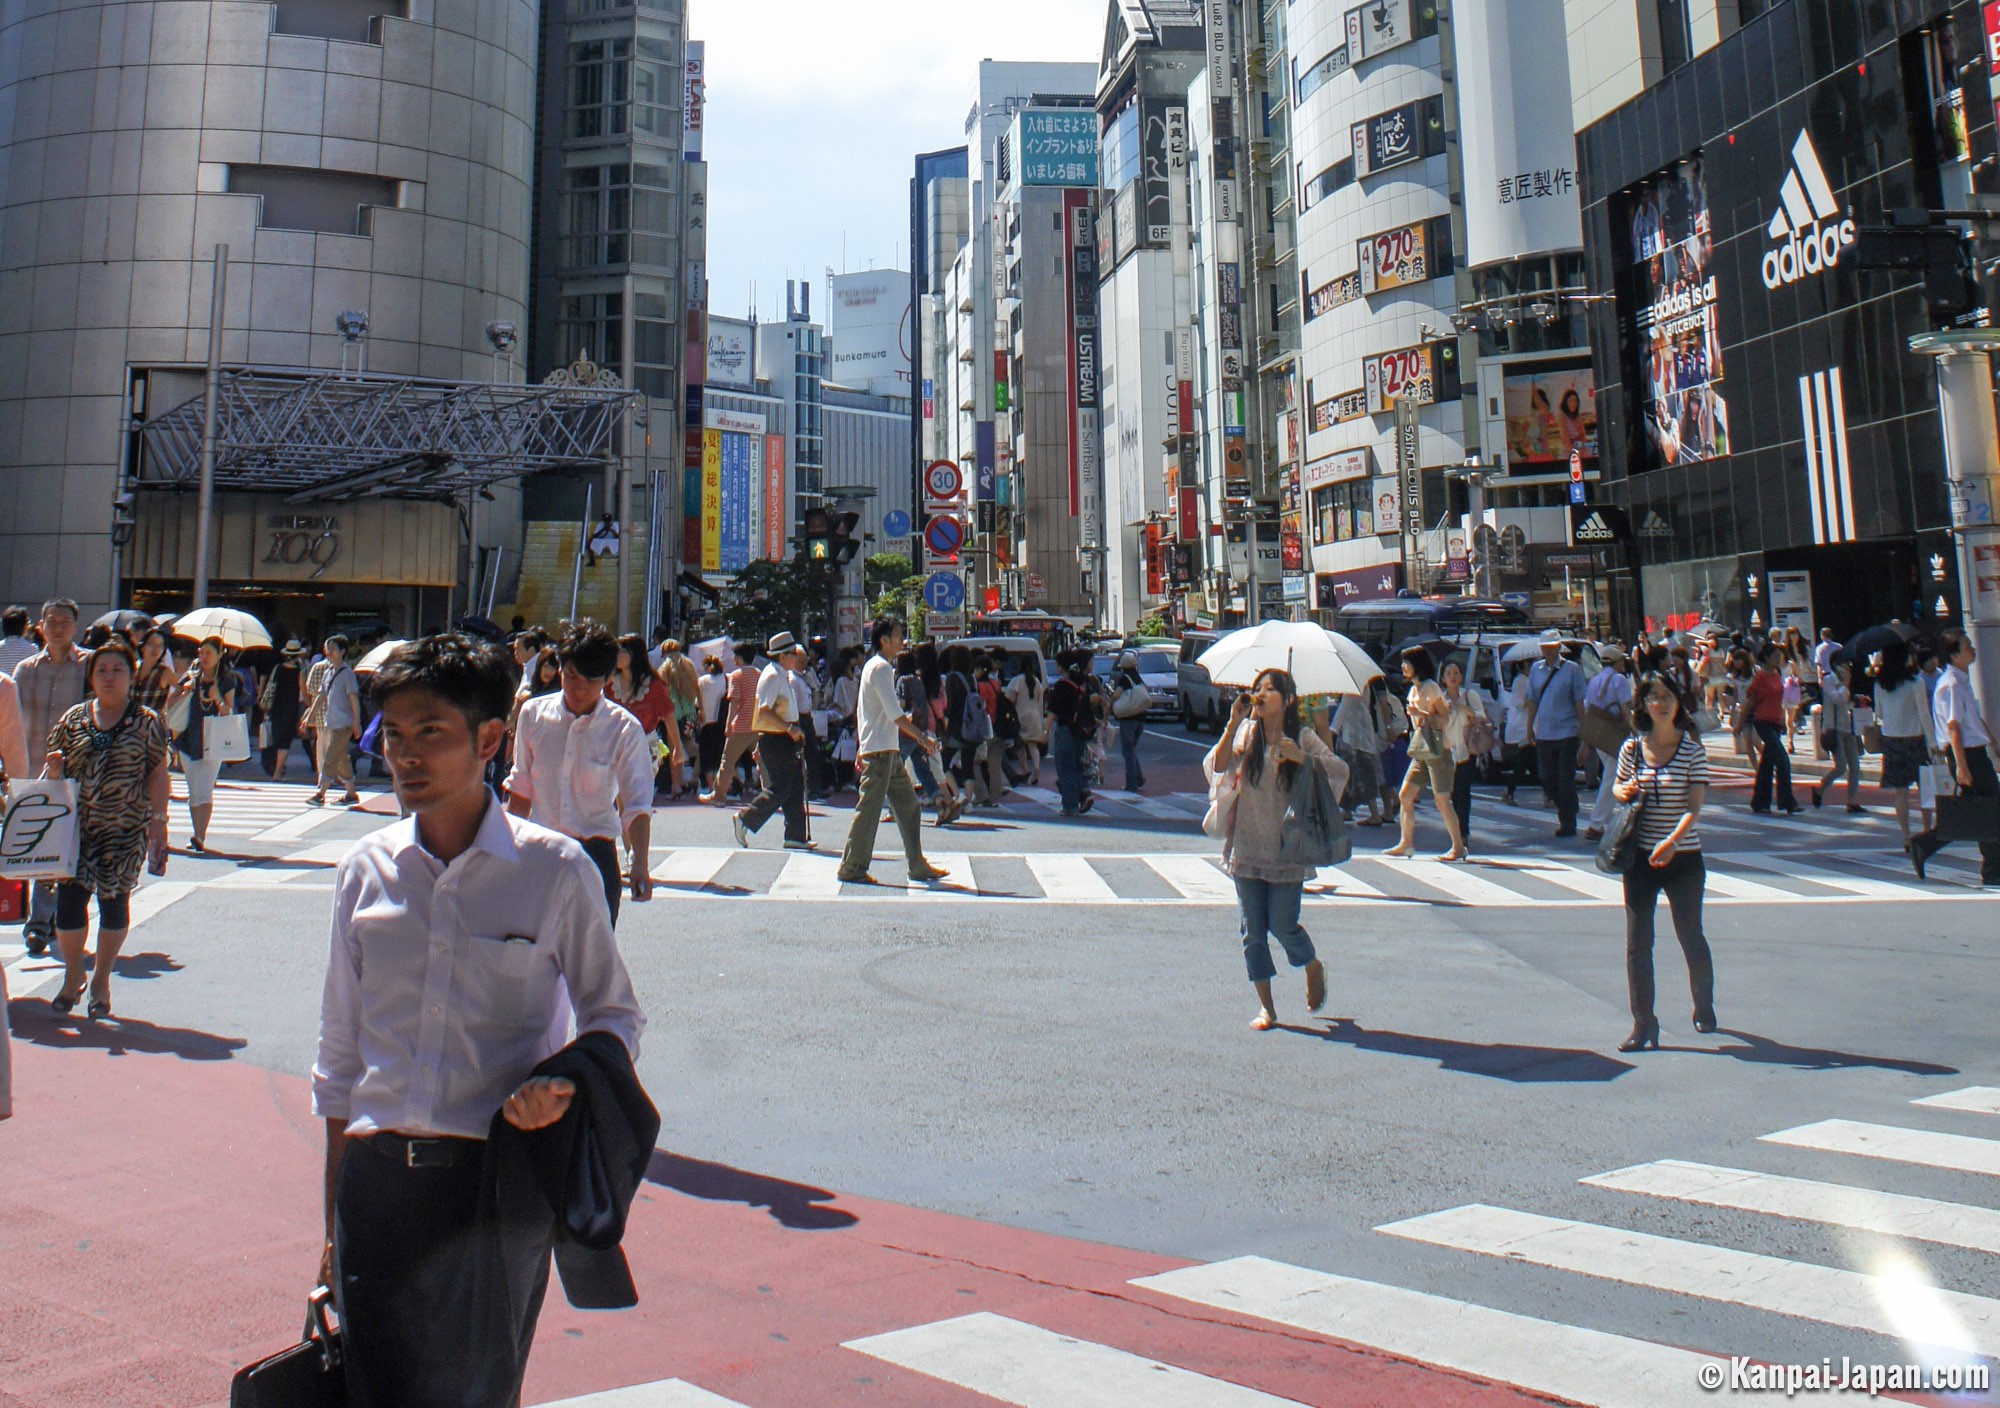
{"points": [[1376, 626], [1159, 671], [1203, 703]]}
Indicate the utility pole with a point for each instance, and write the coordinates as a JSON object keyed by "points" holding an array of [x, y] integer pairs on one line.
{"points": [[204, 520], [1972, 474]]}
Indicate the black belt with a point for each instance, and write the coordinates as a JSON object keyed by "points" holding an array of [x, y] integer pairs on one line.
{"points": [[434, 1151]]}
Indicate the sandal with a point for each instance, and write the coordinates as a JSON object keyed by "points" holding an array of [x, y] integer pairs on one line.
{"points": [[62, 1004], [99, 1008]]}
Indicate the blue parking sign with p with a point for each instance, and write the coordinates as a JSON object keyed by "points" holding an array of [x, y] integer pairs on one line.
{"points": [[944, 591]]}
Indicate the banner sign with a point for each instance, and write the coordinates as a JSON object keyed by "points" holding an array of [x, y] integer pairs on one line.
{"points": [[1080, 277], [1403, 256], [1378, 28], [1338, 469], [1405, 374], [711, 501], [1392, 138], [1521, 194], [774, 498], [1337, 409], [740, 456], [1058, 147]]}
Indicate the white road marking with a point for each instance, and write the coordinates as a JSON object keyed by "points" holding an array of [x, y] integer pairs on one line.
{"points": [[1590, 883], [667, 1393], [1737, 887], [1978, 1099], [1958, 1152], [1542, 1356], [1835, 1204], [1070, 878], [293, 827], [147, 901], [1156, 807], [1194, 878], [807, 875], [1035, 1368], [1831, 879], [1336, 884], [688, 869], [1456, 880], [1854, 1299]]}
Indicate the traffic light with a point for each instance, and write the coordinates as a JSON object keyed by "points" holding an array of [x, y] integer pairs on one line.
{"points": [[818, 535], [842, 540]]}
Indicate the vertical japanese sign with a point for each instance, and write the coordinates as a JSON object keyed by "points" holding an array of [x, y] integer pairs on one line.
{"points": [[694, 97], [983, 441], [774, 498], [711, 501], [1409, 472], [1086, 490], [739, 455]]}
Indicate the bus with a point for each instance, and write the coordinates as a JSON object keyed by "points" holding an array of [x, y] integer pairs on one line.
{"points": [[1051, 634]]}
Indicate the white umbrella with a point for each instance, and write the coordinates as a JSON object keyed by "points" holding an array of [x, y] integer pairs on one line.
{"points": [[1319, 661], [376, 658], [238, 630]]}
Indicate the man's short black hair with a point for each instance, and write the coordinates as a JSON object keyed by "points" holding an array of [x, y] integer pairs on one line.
{"points": [[14, 621], [884, 627], [62, 603], [470, 675], [589, 649], [746, 653]]}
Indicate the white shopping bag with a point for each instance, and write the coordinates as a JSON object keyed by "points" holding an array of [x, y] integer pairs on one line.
{"points": [[38, 833], [226, 738]]}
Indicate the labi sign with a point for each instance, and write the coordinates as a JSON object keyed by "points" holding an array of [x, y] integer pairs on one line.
{"points": [[1809, 236]]}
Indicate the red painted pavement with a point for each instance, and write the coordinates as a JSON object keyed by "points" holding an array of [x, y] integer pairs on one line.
{"points": [[159, 1225]]}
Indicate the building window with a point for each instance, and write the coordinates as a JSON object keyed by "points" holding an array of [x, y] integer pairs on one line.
{"points": [[297, 198], [1676, 34], [618, 213], [593, 326], [1341, 512], [612, 91]]}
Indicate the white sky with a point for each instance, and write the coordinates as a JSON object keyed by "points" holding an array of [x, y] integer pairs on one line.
{"points": [[817, 109]]}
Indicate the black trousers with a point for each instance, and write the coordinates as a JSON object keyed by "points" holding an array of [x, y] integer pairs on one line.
{"points": [[1774, 769], [1984, 784], [1555, 759], [437, 1310], [603, 854], [784, 786], [818, 764], [1461, 794], [1683, 878]]}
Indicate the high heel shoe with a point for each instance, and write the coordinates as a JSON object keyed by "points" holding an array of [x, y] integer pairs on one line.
{"points": [[1645, 1034], [1704, 1020], [62, 1004], [99, 1009]]}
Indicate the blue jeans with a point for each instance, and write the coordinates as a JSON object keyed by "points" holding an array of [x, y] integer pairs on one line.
{"points": [[1774, 770], [1128, 744], [1069, 766], [1270, 910]]}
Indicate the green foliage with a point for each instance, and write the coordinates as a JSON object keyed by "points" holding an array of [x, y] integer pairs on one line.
{"points": [[1154, 625], [766, 598], [885, 572]]}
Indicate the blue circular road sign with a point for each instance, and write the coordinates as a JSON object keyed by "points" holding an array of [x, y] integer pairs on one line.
{"points": [[896, 524], [944, 536], [944, 591]]}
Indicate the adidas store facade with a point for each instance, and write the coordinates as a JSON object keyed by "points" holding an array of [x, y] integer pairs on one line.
{"points": [[1772, 450]]}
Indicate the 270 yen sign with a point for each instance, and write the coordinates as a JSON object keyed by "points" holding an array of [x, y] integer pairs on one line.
{"points": [[1394, 375]]}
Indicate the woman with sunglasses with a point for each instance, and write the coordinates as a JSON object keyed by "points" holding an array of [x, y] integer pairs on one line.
{"points": [[1664, 767], [1257, 759]]}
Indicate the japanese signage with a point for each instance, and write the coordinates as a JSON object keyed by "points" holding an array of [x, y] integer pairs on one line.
{"points": [[1058, 147], [774, 498], [1521, 196], [1158, 127], [1080, 277], [1406, 374], [1398, 258], [711, 501], [1377, 28], [1331, 295], [1335, 409], [1388, 507], [1338, 469], [1389, 139]]}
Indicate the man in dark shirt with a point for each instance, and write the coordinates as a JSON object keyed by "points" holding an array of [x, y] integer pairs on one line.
{"points": [[1074, 710]]}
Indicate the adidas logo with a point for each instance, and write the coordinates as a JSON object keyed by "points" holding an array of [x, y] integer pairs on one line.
{"points": [[1595, 530], [1805, 245], [1655, 526]]}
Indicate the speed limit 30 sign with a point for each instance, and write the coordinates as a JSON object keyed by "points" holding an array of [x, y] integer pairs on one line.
{"points": [[943, 482]]}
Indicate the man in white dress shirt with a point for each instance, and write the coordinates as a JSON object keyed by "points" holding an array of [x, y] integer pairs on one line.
{"points": [[582, 765], [1962, 730], [463, 941], [878, 751], [780, 731]]}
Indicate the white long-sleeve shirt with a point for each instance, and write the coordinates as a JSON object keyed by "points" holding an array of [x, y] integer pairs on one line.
{"points": [[584, 775], [880, 710], [447, 984]]}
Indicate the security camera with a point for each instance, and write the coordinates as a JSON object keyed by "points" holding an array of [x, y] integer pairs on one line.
{"points": [[351, 324], [503, 336]]}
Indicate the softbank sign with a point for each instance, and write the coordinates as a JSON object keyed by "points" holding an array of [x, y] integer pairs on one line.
{"points": [[1809, 237]]}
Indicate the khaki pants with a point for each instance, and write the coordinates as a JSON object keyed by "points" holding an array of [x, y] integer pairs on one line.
{"points": [[883, 777], [334, 764], [735, 748]]}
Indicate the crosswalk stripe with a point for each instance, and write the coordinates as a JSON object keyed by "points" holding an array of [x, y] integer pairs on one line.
{"points": [[1194, 878], [1158, 808], [1738, 887], [1835, 1204], [960, 884], [148, 900], [1588, 883], [667, 1393], [1339, 883], [1831, 1295], [1069, 878], [690, 869], [1041, 797], [1456, 879], [293, 827], [1542, 1356], [1958, 1152], [807, 876], [1830, 879], [1030, 1367], [1978, 1099]]}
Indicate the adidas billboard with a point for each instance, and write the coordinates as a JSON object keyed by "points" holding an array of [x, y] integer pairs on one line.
{"points": [[1809, 238], [1594, 524]]}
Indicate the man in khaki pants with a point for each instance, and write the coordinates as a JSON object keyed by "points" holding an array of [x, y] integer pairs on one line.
{"points": [[338, 706], [883, 726]]}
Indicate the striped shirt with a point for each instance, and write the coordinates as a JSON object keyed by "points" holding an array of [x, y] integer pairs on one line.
{"points": [[1663, 791]]}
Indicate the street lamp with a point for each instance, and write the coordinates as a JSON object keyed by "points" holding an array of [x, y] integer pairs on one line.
{"points": [[504, 337], [352, 327]]}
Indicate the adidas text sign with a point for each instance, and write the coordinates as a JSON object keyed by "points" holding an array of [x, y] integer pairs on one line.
{"points": [[1595, 530], [1810, 237]]}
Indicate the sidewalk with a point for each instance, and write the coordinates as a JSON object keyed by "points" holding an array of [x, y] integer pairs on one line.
{"points": [[159, 1226]]}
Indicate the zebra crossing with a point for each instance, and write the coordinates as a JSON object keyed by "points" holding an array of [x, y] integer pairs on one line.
{"points": [[1943, 1340], [254, 810]]}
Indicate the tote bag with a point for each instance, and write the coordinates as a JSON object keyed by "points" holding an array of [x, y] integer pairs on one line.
{"points": [[226, 738], [1315, 833], [38, 830]]}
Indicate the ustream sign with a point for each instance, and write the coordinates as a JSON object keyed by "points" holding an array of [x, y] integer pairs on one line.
{"points": [[1808, 227]]}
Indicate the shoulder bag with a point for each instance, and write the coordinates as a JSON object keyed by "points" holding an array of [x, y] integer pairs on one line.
{"points": [[1480, 739], [1601, 729], [1133, 701], [1618, 851], [1315, 833], [1223, 790]]}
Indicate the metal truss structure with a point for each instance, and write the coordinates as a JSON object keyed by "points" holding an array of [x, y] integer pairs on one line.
{"points": [[328, 437]]}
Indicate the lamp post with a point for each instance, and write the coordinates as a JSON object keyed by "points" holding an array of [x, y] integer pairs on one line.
{"points": [[1972, 476]]}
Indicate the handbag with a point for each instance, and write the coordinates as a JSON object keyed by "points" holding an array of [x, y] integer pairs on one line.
{"points": [[1427, 744], [1223, 790], [226, 738], [264, 734], [1601, 730], [1480, 739], [1968, 817], [1315, 833], [1618, 851], [38, 829], [1132, 702], [178, 713], [309, 1374]]}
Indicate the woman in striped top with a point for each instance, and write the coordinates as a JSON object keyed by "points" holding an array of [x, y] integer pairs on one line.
{"points": [[1665, 768]]}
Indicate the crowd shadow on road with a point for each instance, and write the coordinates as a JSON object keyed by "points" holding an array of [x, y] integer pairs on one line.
{"points": [[1497, 1060], [1762, 1050], [33, 1021], [794, 1205]]}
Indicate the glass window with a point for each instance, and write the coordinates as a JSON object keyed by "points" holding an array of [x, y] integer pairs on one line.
{"points": [[1341, 512], [592, 325], [615, 215]]}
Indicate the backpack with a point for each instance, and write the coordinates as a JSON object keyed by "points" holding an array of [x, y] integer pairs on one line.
{"points": [[1006, 720], [974, 726]]}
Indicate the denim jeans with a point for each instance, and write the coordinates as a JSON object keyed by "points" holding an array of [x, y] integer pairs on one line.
{"points": [[1069, 766], [1129, 731], [1774, 767], [1270, 910]]}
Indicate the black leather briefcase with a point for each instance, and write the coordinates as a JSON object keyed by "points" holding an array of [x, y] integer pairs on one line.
{"points": [[308, 1374], [1968, 817]]}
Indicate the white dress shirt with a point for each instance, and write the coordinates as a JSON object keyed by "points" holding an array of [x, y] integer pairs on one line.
{"points": [[584, 774], [1955, 702], [446, 985], [775, 692], [880, 710]]}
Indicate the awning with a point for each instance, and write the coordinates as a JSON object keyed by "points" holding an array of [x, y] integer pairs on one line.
{"points": [[332, 436], [694, 583]]}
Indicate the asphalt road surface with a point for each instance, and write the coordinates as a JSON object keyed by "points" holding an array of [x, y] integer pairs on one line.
{"points": [[1051, 1049]]}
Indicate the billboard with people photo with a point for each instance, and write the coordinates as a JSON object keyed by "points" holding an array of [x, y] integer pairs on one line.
{"points": [[1550, 413], [1678, 339]]}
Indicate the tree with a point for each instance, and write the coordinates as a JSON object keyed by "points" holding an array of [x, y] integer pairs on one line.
{"points": [[767, 598], [885, 572], [1154, 625], [893, 585]]}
